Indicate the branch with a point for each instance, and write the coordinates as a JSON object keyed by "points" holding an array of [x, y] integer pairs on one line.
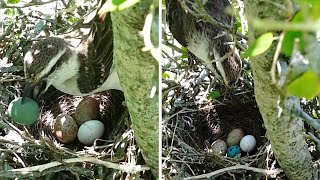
{"points": [[124, 168], [232, 168], [293, 106], [32, 3], [23, 174], [285, 26]]}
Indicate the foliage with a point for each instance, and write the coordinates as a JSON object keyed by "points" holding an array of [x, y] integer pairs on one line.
{"points": [[188, 87], [262, 44], [116, 5], [21, 24]]}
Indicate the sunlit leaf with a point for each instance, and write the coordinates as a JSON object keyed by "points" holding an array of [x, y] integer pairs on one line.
{"points": [[184, 56], [288, 42], [308, 12], [214, 95], [308, 1], [261, 44], [72, 19], [184, 52], [165, 75], [184, 49], [307, 85], [116, 5], [13, 1], [9, 12]]}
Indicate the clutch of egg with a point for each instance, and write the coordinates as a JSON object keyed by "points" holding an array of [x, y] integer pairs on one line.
{"points": [[66, 127]]}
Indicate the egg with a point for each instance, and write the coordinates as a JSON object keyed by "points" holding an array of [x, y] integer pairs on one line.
{"points": [[219, 147], [234, 137], [87, 109], [248, 143], [65, 128], [25, 113], [234, 151], [90, 131]]}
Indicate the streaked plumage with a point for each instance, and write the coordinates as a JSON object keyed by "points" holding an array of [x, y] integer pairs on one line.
{"points": [[75, 68], [206, 41]]}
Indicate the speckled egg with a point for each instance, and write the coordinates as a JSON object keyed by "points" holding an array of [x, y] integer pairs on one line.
{"points": [[234, 136], [248, 143], [90, 131], [65, 128], [87, 109], [219, 147], [234, 151]]}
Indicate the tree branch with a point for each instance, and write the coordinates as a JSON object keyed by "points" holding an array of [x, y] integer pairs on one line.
{"points": [[232, 168], [293, 106], [32, 3], [125, 168]]}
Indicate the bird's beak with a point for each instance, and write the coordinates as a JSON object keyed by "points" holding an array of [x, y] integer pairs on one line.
{"points": [[33, 91]]}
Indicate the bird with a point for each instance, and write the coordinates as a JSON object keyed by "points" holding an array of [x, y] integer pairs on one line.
{"points": [[76, 67], [208, 42]]}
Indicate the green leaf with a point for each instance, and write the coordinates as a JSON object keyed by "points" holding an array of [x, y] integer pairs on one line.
{"points": [[9, 12], [307, 85], [184, 49], [184, 56], [214, 95], [184, 52], [116, 5], [261, 44], [13, 1], [72, 19], [308, 1], [308, 12], [288, 42], [165, 75]]}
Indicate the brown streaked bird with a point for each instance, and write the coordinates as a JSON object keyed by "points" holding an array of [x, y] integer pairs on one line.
{"points": [[82, 68], [206, 41]]}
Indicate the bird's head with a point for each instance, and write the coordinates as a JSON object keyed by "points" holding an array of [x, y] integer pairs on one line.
{"points": [[41, 61]]}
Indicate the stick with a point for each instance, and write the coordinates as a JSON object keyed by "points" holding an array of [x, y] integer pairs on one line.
{"points": [[232, 168]]}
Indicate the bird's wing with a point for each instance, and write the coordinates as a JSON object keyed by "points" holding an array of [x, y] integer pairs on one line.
{"points": [[217, 9], [175, 17], [182, 24], [96, 54]]}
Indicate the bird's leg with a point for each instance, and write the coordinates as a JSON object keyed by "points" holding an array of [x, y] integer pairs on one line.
{"points": [[221, 59], [39, 90], [33, 91]]}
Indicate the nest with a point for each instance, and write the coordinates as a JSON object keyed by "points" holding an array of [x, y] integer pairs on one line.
{"points": [[216, 121], [35, 146], [192, 123]]}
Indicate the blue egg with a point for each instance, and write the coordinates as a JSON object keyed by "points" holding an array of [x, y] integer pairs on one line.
{"points": [[233, 151]]}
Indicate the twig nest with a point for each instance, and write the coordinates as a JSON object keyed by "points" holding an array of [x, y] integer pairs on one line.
{"points": [[65, 128], [234, 151], [219, 147], [87, 109], [248, 143], [235, 136], [90, 131], [25, 113]]}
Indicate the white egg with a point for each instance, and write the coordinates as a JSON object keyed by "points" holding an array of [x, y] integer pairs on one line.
{"points": [[90, 131], [248, 143]]}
